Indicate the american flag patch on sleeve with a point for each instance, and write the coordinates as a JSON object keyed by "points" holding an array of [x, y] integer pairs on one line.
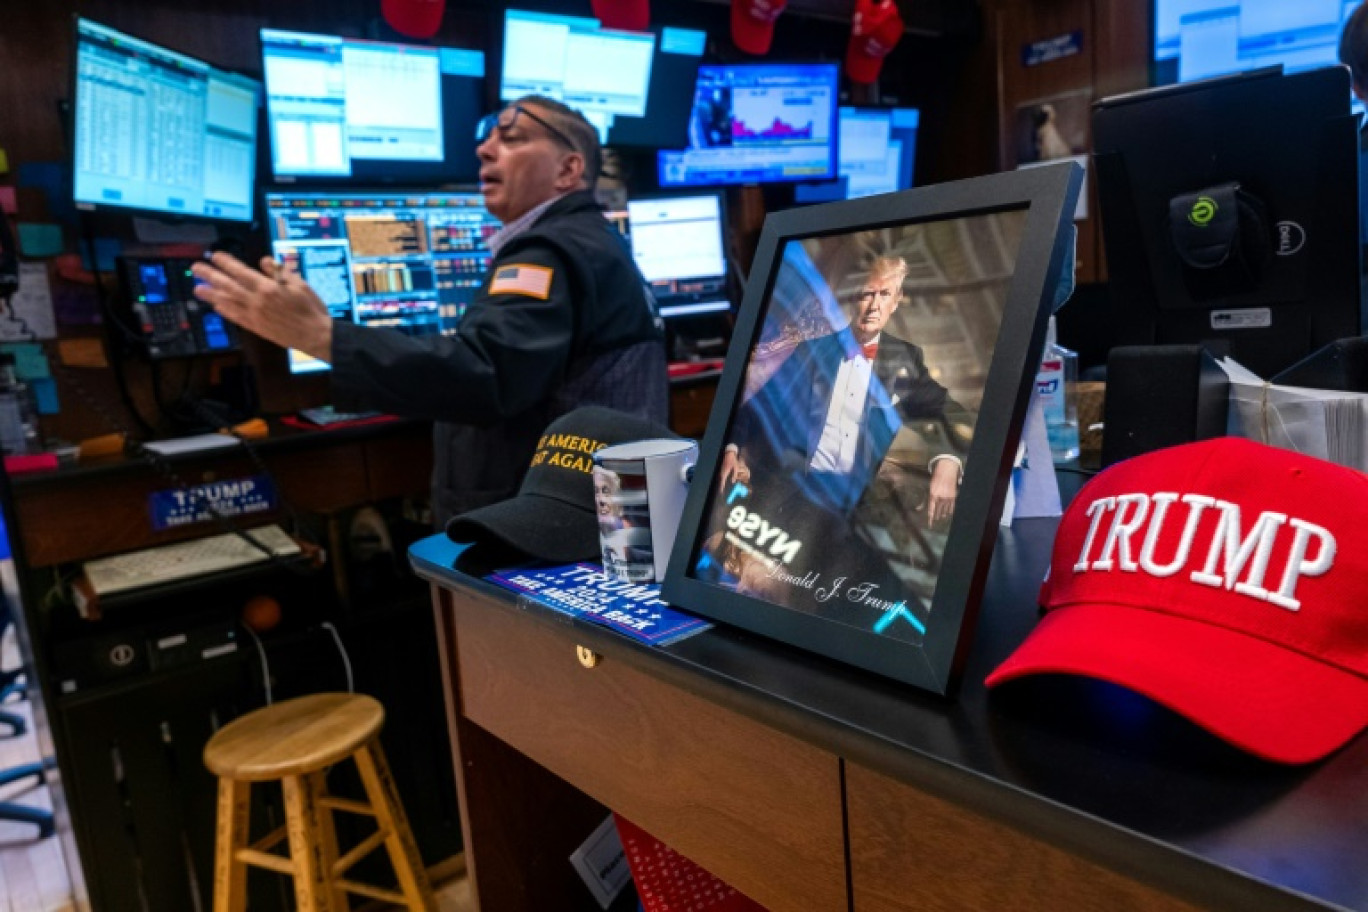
{"points": [[523, 279]]}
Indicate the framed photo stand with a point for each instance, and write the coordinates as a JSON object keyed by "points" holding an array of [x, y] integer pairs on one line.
{"points": [[860, 445]]}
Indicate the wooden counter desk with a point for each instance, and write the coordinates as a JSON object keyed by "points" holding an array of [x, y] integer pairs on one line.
{"points": [[811, 786], [90, 510]]}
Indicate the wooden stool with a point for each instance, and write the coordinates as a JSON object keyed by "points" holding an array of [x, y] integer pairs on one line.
{"points": [[296, 742]]}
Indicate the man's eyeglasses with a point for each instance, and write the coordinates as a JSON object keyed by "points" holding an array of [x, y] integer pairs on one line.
{"points": [[504, 120]]}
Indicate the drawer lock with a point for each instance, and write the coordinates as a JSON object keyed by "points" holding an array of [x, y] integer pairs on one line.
{"points": [[587, 657]]}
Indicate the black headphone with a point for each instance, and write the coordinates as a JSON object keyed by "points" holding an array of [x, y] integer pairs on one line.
{"points": [[9, 259]]}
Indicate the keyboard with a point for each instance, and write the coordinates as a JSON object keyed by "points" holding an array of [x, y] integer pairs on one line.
{"points": [[325, 415], [187, 559]]}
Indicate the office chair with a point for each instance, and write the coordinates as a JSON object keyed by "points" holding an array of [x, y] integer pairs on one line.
{"points": [[10, 684]]}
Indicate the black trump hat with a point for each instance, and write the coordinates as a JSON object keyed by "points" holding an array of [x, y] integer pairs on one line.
{"points": [[552, 517]]}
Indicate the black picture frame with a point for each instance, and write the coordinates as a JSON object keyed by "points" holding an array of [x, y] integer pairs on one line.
{"points": [[909, 616]]}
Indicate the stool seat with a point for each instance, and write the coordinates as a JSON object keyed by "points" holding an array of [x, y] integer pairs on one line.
{"points": [[295, 743], [293, 737]]}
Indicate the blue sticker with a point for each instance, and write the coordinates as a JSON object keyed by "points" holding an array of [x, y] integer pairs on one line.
{"points": [[584, 591], [232, 498], [1047, 49]]}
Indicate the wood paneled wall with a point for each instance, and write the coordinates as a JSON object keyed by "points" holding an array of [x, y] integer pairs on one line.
{"points": [[1113, 58]]}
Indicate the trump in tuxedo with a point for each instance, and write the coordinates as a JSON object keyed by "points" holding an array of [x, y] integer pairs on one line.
{"points": [[821, 426]]}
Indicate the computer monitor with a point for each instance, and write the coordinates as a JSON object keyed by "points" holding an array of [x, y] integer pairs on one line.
{"points": [[603, 73], [878, 148], [679, 244], [408, 261], [758, 123], [669, 99], [1268, 272], [1198, 39], [371, 112], [157, 131]]}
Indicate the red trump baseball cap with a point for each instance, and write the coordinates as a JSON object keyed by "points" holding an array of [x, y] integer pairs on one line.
{"points": [[752, 23], [875, 29], [630, 15], [1226, 580], [414, 18]]}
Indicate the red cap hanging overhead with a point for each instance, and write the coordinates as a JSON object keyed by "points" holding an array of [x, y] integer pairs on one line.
{"points": [[414, 18], [875, 29], [752, 23], [631, 15]]}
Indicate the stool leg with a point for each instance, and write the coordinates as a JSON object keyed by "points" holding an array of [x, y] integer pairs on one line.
{"points": [[327, 840], [308, 855], [389, 813], [230, 875]]}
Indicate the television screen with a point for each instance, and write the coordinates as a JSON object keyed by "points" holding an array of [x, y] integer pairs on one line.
{"points": [[877, 151], [370, 111], [1221, 231], [1196, 39], [604, 73], [756, 123], [679, 244], [408, 261], [157, 131], [674, 71]]}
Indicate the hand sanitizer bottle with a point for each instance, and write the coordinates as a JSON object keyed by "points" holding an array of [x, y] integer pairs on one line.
{"points": [[1056, 386]]}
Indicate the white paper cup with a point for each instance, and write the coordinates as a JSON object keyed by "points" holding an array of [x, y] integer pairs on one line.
{"points": [[639, 494]]}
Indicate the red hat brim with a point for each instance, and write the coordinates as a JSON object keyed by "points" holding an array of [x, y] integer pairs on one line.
{"points": [[859, 66], [1264, 698], [751, 35], [629, 15], [414, 18]]}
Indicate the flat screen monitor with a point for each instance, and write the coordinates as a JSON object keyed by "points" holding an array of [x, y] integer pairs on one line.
{"points": [[669, 98], [603, 73], [1197, 39], [370, 111], [411, 262], [878, 148], [679, 244], [157, 131], [758, 123], [1230, 214]]}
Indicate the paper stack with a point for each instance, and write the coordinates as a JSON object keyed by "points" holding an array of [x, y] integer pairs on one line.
{"points": [[1327, 424]]}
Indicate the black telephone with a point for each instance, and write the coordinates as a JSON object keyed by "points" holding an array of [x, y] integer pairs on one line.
{"points": [[9, 259], [171, 321]]}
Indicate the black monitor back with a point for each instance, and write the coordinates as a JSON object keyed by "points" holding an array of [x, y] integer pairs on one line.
{"points": [[1291, 144]]}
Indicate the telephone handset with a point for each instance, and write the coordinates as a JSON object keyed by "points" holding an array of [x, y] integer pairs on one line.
{"points": [[171, 321], [9, 259]]}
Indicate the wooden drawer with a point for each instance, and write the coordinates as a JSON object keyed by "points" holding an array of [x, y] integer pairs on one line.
{"points": [[756, 807], [912, 851]]}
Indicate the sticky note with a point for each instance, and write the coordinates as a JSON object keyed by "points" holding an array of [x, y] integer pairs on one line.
{"points": [[45, 394], [4, 162], [106, 249], [29, 361], [75, 305], [69, 267], [40, 239], [82, 352], [7, 203], [51, 179]]}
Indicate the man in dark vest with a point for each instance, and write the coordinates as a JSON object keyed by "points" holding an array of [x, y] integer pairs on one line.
{"points": [[563, 317]]}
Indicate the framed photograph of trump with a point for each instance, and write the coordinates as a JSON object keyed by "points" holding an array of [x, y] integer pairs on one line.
{"points": [[860, 445]]}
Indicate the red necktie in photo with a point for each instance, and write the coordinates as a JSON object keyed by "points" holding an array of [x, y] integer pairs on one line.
{"points": [[870, 350]]}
